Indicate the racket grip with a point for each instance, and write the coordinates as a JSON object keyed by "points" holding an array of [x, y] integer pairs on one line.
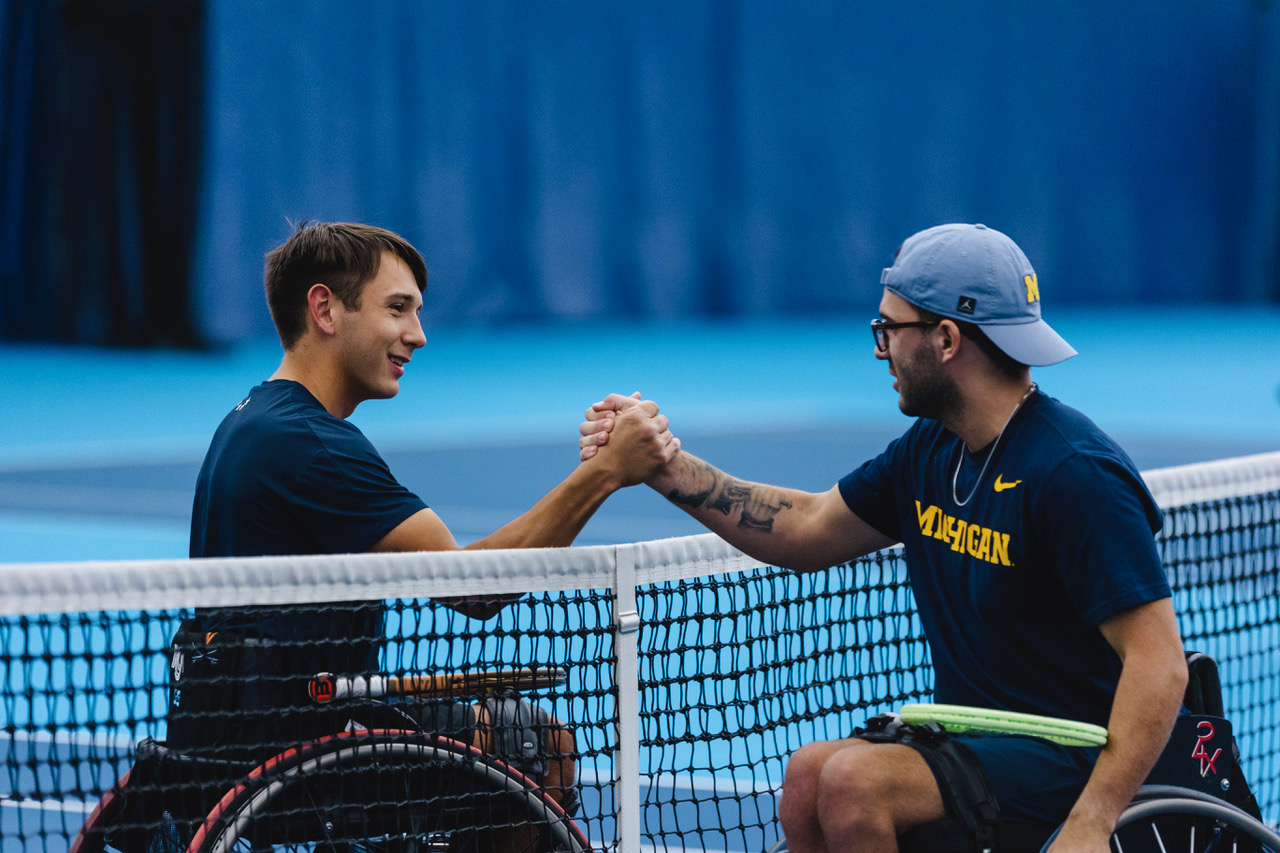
{"points": [[326, 687]]}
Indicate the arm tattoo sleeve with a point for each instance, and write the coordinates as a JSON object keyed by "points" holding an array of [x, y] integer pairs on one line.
{"points": [[757, 505]]}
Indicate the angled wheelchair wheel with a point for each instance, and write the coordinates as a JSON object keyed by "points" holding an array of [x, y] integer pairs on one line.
{"points": [[383, 791], [1164, 819], [92, 837], [137, 814], [1172, 818]]}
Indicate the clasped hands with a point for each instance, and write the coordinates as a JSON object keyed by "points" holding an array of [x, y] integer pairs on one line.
{"points": [[628, 434]]}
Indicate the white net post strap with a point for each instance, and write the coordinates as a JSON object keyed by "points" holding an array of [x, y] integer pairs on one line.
{"points": [[626, 639], [643, 564], [1214, 481]]}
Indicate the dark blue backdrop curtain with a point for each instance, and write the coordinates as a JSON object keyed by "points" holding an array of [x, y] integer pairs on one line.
{"points": [[101, 103], [581, 160], [576, 160]]}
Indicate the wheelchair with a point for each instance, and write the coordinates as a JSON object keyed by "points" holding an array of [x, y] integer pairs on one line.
{"points": [[1195, 800], [389, 787]]}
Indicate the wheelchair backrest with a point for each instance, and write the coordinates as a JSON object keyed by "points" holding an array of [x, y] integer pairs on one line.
{"points": [[1202, 753]]}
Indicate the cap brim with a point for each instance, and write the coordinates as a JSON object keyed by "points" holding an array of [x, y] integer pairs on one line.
{"points": [[1032, 343]]}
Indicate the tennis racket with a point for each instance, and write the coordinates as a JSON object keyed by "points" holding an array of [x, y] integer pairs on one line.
{"points": [[326, 687], [959, 718]]}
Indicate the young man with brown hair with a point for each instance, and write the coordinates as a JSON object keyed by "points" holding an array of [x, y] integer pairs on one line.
{"points": [[287, 473]]}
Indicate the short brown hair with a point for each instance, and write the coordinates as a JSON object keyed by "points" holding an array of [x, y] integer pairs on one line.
{"points": [[344, 256]]}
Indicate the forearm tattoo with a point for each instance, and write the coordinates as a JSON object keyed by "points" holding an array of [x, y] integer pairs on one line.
{"points": [[757, 505]]}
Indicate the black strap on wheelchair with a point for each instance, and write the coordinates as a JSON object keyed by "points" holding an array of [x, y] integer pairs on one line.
{"points": [[519, 732], [962, 779], [520, 739], [1204, 687]]}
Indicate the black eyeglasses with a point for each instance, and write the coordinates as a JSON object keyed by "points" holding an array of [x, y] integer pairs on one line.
{"points": [[880, 330]]}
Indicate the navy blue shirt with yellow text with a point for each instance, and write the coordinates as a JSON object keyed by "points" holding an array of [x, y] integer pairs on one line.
{"points": [[1011, 587]]}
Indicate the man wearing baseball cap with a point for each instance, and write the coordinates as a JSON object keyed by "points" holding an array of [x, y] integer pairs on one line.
{"points": [[1028, 535]]}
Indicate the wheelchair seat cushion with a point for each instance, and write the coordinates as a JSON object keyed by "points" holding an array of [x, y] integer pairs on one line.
{"points": [[1035, 781]]}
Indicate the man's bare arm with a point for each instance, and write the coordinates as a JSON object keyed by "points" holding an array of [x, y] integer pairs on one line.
{"points": [[1153, 679], [799, 530]]}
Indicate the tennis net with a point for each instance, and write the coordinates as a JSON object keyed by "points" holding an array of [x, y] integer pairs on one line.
{"points": [[682, 673]]}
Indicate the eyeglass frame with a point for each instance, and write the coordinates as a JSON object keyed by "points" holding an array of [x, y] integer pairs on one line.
{"points": [[880, 326]]}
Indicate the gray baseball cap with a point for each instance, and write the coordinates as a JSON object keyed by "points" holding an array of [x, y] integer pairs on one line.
{"points": [[975, 273]]}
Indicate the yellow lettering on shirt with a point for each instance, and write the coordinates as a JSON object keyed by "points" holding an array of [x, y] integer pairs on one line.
{"points": [[927, 518], [1000, 548], [979, 542], [984, 546], [971, 541], [948, 528]]}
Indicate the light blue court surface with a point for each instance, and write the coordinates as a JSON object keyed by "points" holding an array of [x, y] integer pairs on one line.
{"points": [[99, 449]]}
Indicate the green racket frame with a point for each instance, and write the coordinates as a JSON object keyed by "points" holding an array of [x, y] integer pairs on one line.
{"points": [[959, 718]]}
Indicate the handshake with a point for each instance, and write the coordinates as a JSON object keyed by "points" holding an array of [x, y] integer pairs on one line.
{"points": [[627, 436]]}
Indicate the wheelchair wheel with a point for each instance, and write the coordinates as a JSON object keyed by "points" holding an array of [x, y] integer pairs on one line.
{"points": [[134, 814], [1168, 818], [92, 837], [382, 791]]}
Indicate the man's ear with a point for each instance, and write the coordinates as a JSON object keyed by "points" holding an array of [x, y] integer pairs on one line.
{"points": [[320, 308], [948, 338]]}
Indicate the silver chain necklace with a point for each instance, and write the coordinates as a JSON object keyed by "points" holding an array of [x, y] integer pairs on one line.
{"points": [[955, 478]]}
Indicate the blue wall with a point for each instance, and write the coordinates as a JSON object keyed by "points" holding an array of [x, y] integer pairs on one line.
{"points": [[665, 158]]}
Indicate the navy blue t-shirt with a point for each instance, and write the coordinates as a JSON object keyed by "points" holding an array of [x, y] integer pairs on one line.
{"points": [[283, 476], [1011, 587]]}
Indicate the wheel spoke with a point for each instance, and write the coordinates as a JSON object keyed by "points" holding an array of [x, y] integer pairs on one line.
{"points": [[1155, 830]]}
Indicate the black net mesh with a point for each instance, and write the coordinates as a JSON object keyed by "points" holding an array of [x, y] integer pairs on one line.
{"points": [[1223, 557]]}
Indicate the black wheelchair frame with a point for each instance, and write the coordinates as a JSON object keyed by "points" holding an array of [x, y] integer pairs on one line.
{"points": [[373, 789]]}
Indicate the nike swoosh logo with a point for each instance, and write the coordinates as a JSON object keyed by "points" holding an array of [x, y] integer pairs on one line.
{"points": [[1001, 485]]}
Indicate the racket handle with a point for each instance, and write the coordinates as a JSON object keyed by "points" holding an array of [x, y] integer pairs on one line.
{"points": [[326, 687], [468, 683]]}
